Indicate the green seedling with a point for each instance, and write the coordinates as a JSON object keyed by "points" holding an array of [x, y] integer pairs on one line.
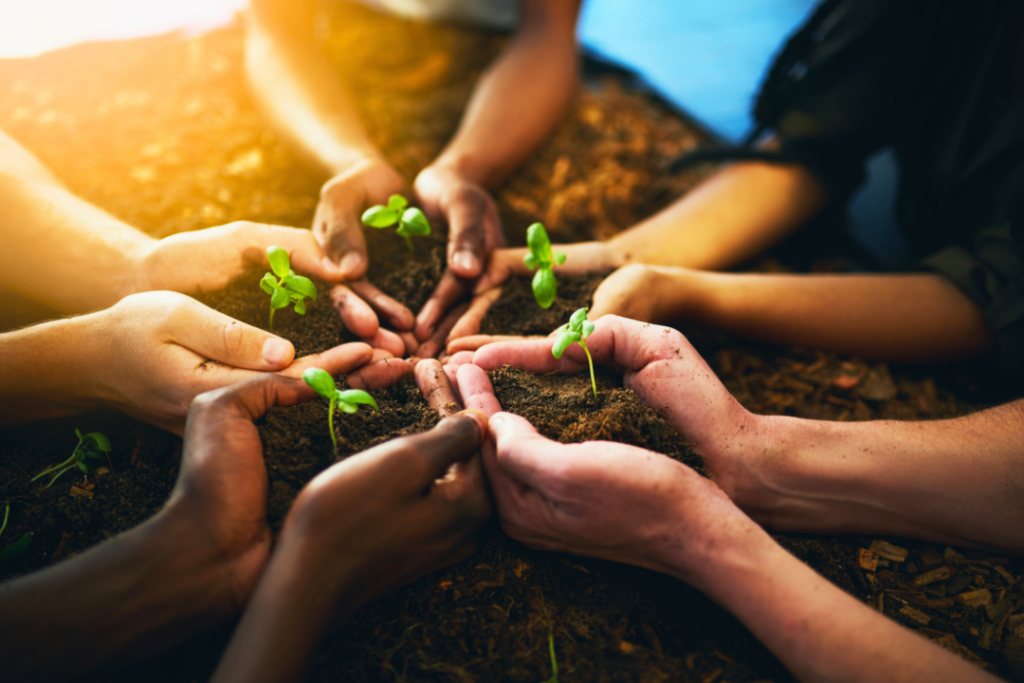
{"points": [[410, 221], [541, 257], [576, 331], [554, 662], [16, 549], [323, 384], [93, 445], [287, 287]]}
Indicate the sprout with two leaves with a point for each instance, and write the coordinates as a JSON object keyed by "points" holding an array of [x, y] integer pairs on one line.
{"points": [[93, 445], [576, 331], [323, 384], [287, 287], [410, 221], [541, 257]]}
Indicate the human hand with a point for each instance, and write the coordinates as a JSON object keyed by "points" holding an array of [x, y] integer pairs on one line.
{"points": [[150, 354], [664, 370], [600, 499], [474, 231], [639, 292]]}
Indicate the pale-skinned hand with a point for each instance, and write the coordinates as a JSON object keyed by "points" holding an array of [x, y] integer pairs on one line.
{"points": [[633, 292], [150, 354], [474, 231]]}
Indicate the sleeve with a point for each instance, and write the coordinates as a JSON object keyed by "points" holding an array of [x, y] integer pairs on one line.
{"points": [[991, 273], [828, 101]]}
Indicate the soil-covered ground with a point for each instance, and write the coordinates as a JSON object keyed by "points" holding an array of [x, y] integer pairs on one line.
{"points": [[163, 133]]}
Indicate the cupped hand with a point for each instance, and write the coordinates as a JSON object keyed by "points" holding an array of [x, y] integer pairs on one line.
{"points": [[474, 231], [598, 498], [210, 259], [151, 354], [664, 370]]}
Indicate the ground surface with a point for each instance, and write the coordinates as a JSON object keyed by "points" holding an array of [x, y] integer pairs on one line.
{"points": [[163, 133]]}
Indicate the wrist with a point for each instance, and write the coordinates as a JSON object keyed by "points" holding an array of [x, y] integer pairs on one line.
{"points": [[465, 166], [349, 161]]}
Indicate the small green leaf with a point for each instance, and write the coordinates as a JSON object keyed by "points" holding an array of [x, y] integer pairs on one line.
{"points": [[349, 408], [588, 329], [300, 306], [537, 240], [100, 440], [82, 466], [278, 261], [545, 287], [16, 549], [280, 298], [94, 454], [380, 217], [302, 285], [564, 341], [355, 396], [559, 258], [531, 261], [397, 203], [321, 382], [415, 223], [269, 283], [577, 319], [78, 434]]}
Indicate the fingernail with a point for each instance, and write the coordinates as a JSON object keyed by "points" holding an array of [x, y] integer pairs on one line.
{"points": [[480, 417], [466, 261], [351, 264], [275, 350], [329, 265]]}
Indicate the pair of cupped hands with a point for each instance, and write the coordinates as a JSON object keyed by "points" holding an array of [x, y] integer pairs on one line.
{"points": [[383, 517]]}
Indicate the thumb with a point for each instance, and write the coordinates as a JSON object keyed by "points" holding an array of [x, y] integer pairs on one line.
{"points": [[503, 264], [220, 338], [304, 251], [521, 452]]}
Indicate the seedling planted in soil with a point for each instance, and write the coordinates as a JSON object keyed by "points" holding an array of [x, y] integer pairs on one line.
{"points": [[287, 287], [93, 445], [349, 400], [410, 221], [16, 549], [576, 331], [541, 257]]}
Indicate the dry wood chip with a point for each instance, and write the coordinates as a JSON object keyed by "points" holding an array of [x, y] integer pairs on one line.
{"points": [[1005, 574], [846, 382], [952, 557], [867, 560], [889, 551], [973, 598], [935, 575], [80, 493], [917, 615], [930, 557]]}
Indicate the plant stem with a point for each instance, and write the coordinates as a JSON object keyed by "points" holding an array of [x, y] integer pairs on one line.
{"points": [[330, 421], [408, 242], [593, 382], [56, 467], [554, 662], [58, 475], [7, 511], [271, 325]]}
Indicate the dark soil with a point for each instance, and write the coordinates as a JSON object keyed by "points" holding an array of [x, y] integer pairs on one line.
{"points": [[162, 133]]}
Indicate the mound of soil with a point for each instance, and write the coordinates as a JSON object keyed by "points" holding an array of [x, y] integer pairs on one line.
{"points": [[163, 133]]}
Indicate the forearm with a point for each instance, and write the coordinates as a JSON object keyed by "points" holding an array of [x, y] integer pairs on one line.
{"points": [[520, 99], [731, 217], [64, 252], [303, 95], [958, 481], [815, 629], [123, 600], [906, 318]]}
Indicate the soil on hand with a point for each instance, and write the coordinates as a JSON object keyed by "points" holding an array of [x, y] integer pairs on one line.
{"points": [[163, 133]]}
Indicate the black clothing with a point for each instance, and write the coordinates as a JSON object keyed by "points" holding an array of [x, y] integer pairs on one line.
{"points": [[942, 82]]}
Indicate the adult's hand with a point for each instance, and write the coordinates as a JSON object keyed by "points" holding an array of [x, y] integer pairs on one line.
{"points": [[370, 523], [151, 354], [474, 231]]}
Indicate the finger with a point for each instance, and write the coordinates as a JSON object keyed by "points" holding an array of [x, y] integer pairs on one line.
{"points": [[304, 252], [521, 452], [449, 290], [462, 488], [436, 388], [380, 374], [410, 341], [451, 372], [474, 342], [454, 439], [533, 355], [340, 234], [339, 360], [476, 390], [460, 358], [433, 346], [397, 315], [388, 341], [469, 323], [467, 235], [356, 314], [218, 337], [502, 264], [246, 400]]}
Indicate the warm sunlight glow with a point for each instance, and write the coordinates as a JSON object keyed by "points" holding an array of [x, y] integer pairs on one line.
{"points": [[30, 27]]}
